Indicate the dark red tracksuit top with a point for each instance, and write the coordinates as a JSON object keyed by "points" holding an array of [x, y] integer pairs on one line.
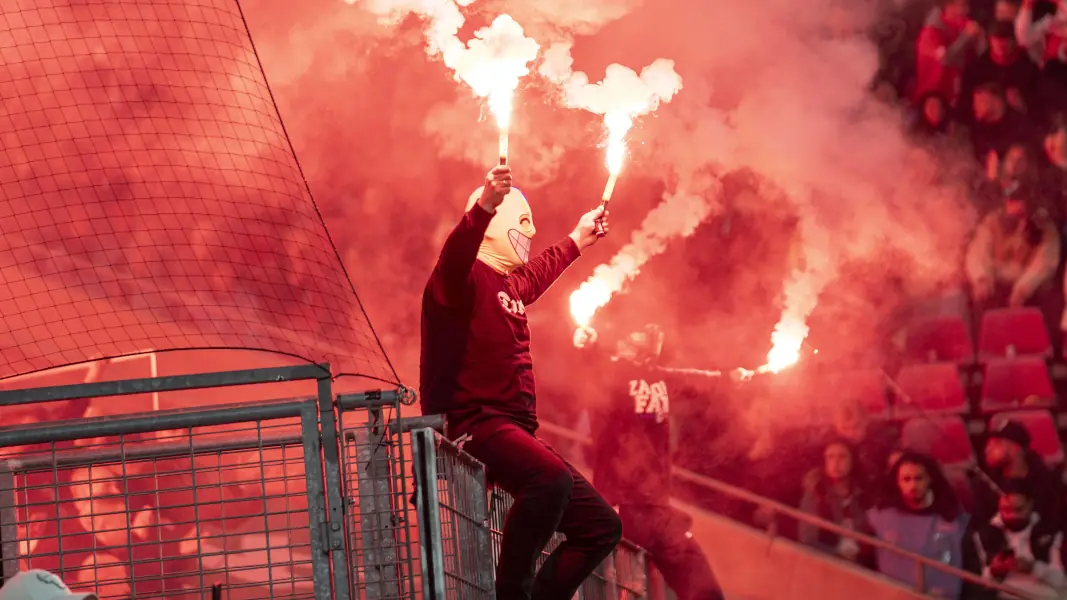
{"points": [[476, 363]]}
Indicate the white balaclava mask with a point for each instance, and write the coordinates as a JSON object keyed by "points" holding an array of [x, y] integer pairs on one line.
{"points": [[506, 245]]}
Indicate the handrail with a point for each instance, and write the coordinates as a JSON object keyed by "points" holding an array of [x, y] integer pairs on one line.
{"points": [[807, 518]]}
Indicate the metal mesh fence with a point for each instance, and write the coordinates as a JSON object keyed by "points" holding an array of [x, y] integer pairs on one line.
{"points": [[381, 528], [167, 514], [151, 198], [453, 519]]}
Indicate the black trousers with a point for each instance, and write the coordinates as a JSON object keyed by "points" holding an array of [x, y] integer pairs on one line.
{"points": [[664, 533], [550, 495]]}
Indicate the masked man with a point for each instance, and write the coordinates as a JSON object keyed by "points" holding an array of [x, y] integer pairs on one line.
{"points": [[477, 370], [632, 460]]}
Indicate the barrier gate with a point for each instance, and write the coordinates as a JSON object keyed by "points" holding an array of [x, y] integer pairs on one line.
{"points": [[324, 498]]}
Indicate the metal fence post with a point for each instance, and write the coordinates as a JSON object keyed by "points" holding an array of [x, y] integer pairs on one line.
{"points": [[381, 564], [316, 494], [424, 455], [335, 521], [484, 559], [9, 545]]}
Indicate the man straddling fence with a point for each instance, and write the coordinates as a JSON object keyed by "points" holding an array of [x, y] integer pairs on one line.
{"points": [[631, 455], [476, 369]]}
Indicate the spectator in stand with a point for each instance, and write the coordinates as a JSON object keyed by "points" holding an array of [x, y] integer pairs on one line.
{"points": [[1021, 549], [933, 117], [872, 441], [1045, 38], [947, 42], [1013, 256], [1008, 456], [1003, 62], [1004, 175], [996, 125], [920, 513], [835, 492], [1006, 10], [1052, 175]]}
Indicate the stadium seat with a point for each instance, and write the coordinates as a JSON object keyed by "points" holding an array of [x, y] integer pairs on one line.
{"points": [[1010, 332], [944, 438], [1012, 383], [939, 339], [1044, 437], [933, 388], [865, 386]]}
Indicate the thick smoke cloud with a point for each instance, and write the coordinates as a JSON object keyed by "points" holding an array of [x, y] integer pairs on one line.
{"points": [[392, 145]]}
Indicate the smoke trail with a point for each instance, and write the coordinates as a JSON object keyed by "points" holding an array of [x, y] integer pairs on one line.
{"points": [[678, 215], [621, 90]]}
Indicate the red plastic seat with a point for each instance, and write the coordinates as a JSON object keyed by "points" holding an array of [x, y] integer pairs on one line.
{"points": [[939, 339], [1012, 383], [1009, 332], [1044, 437], [867, 386], [933, 388], [943, 438]]}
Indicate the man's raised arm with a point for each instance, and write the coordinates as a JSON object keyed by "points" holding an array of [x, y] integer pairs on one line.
{"points": [[452, 273], [533, 279]]}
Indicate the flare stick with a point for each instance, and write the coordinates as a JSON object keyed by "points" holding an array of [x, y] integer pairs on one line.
{"points": [[503, 146]]}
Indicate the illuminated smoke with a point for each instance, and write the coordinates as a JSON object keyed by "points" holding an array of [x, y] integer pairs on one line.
{"points": [[621, 96], [678, 215], [491, 63]]}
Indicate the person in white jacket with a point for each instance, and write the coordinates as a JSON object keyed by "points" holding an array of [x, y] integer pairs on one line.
{"points": [[1021, 550], [1014, 254]]}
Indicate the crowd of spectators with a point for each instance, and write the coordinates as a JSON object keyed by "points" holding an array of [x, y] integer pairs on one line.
{"points": [[990, 78]]}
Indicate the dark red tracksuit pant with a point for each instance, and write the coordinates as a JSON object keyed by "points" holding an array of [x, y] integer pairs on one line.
{"points": [[550, 495], [664, 533]]}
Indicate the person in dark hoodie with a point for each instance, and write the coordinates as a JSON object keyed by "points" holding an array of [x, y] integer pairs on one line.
{"points": [[920, 513], [1008, 456], [476, 369], [632, 459]]}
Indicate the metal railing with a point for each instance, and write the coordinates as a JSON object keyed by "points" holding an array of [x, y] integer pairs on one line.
{"points": [[777, 508], [192, 503], [461, 525]]}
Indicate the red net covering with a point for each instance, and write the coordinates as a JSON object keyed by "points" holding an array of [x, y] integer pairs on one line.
{"points": [[149, 197]]}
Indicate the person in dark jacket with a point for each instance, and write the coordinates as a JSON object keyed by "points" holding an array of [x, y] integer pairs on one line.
{"points": [[837, 492], [1020, 548], [476, 369], [1008, 456], [632, 461]]}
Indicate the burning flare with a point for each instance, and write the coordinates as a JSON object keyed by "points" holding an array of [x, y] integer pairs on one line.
{"points": [[622, 96], [801, 296], [491, 63], [618, 124]]}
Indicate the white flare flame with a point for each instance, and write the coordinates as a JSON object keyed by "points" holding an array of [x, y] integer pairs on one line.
{"points": [[621, 96], [491, 63]]}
